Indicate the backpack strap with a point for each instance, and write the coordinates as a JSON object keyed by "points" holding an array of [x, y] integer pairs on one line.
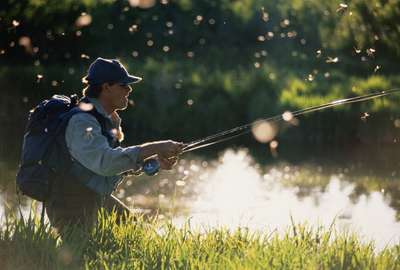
{"points": [[102, 121], [68, 115]]}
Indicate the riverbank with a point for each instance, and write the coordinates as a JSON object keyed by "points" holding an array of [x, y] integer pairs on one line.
{"points": [[156, 244]]}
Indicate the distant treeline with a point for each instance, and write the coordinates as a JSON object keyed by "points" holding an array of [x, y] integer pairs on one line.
{"points": [[210, 65]]}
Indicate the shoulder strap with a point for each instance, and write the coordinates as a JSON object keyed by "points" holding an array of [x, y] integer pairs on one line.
{"points": [[102, 121], [99, 117]]}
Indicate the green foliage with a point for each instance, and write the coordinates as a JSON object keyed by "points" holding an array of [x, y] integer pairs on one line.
{"points": [[211, 65], [302, 94], [377, 83], [356, 24]]}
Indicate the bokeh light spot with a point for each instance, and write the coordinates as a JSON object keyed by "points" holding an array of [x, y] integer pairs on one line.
{"points": [[166, 48], [264, 131], [15, 23], [39, 77], [85, 106], [135, 54], [273, 144], [26, 43], [332, 60], [83, 20], [150, 43], [142, 3], [287, 116]]}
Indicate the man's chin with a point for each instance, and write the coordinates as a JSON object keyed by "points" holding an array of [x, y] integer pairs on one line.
{"points": [[123, 107]]}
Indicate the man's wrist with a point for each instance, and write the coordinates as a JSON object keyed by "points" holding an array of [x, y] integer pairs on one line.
{"points": [[145, 151]]}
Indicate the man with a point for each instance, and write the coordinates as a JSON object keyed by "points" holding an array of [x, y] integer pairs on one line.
{"points": [[92, 138]]}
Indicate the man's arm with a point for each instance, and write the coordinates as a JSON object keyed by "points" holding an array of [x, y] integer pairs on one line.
{"points": [[89, 147]]}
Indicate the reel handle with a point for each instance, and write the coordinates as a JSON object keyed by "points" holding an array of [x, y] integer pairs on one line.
{"points": [[151, 166]]}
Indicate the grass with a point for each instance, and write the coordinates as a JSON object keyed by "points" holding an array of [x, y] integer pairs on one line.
{"points": [[154, 244]]}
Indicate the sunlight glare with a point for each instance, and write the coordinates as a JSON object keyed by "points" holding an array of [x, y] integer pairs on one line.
{"points": [[234, 187], [339, 101]]}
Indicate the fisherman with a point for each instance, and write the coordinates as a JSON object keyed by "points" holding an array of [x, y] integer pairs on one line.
{"points": [[98, 162]]}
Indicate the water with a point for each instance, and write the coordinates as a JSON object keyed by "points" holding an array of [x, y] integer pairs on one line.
{"points": [[234, 190]]}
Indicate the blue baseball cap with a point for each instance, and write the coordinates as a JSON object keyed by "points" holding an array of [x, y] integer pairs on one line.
{"points": [[108, 71]]}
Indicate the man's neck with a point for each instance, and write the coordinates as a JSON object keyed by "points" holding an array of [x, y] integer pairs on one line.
{"points": [[106, 106], [101, 106]]}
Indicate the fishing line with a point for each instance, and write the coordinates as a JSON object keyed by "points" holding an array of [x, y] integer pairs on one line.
{"points": [[152, 166], [241, 130]]}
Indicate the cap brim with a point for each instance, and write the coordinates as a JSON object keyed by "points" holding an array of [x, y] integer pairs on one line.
{"points": [[132, 79]]}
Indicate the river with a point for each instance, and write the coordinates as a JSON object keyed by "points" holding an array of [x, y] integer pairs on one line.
{"points": [[235, 190]]}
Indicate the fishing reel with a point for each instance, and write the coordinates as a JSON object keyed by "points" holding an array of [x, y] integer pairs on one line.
{"points": [[151, 166]]}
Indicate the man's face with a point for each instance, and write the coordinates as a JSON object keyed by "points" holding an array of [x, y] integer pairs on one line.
{"points": [[117, 95]]}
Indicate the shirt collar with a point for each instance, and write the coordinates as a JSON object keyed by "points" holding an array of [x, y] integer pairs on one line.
{"points": [[116, 120], [99, 108]]}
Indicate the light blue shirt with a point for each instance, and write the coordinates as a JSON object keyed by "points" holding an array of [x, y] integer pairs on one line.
{"points": [[90, 148]]}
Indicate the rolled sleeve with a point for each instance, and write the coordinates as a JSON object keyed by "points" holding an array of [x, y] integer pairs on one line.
{"points": [[90, 147]]}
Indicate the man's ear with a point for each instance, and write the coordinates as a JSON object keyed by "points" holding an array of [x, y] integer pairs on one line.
{"points": [[105, 87]]}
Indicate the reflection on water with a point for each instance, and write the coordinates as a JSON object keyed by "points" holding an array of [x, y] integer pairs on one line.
{"points": [[233, 188], [236, 191]]}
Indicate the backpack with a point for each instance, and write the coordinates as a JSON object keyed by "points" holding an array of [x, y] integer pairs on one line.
{"points": [[41, 160]]}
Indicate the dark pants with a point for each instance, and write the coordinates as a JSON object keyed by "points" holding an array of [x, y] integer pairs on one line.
{"points": [[71, 203]]}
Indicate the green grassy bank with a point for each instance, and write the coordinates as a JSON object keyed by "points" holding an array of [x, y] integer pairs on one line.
{"points": [[152, 244]]}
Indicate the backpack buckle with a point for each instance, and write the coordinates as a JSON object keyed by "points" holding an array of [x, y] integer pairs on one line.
{"points": [[74, 99]]}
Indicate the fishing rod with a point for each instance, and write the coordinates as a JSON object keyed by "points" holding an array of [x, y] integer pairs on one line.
{"points": [[152, 166]]}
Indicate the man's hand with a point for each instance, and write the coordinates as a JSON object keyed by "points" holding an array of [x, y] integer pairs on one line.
{"points": [[167, 163], [168, 148], [167, 152]]}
